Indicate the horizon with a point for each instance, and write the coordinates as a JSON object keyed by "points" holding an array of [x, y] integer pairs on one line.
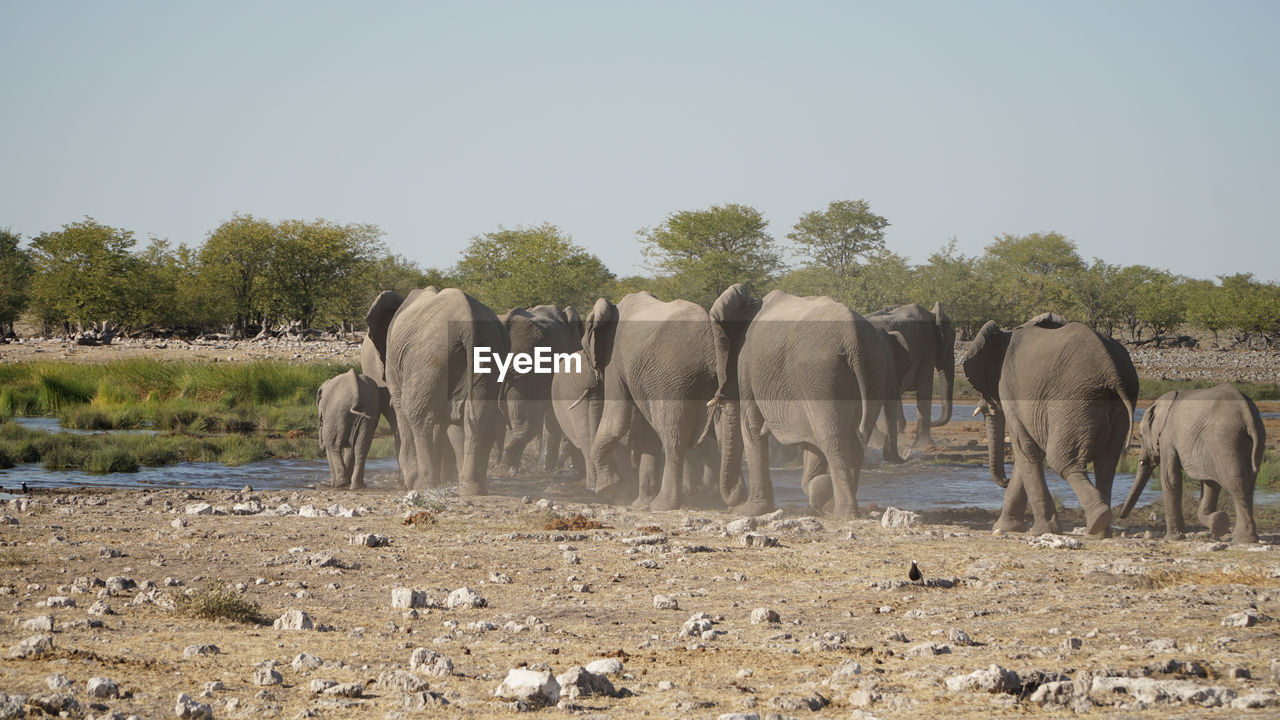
{"points": [[1141, 131]]}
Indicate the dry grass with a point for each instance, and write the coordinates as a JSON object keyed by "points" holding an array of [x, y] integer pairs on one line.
{"points": [[220, 604], [1163, 579], [15, 557]]}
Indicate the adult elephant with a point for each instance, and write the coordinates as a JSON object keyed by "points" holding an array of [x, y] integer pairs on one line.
{"points": [[1065, 395], [427, 346], [930, 341], [806, 370], [1215, 436], [527, 396], [371, 367], [348, 406], [655, 359]]}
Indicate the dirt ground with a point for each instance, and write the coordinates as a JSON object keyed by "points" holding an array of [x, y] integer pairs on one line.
{"points": [[854, 637]]}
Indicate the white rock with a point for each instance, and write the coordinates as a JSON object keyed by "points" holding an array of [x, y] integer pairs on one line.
{"points": [[310, 511], [1053, 693], [404, 598], [757, 540], [253, 507], [306, 661], [267, 676], [1053, 542], [188, 709], [370, 540], [893, 518], [846, 671], [60, 601], [578, 682], [428, 662], [537, 688], [100, 687], [741, 525], [198, 650], [294, 620], [465, 597], [39, 624], [57, 681], [1247, 618], [994, 679], [605, 666], [32, 647], [665, 602], [765, 615], [200, 509]]}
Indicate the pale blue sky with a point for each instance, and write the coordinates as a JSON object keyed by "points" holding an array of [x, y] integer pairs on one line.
{"points": [[1148, 132]]}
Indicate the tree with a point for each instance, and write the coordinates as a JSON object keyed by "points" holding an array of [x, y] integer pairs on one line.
{"points": [[83, 274], [1096, 295], [1161, 306], [528, 266], [15, 268], [1206, 307], [313, 267], [1031, 274], [232, 263], [703, 252], [838, 237], [953, 279]]}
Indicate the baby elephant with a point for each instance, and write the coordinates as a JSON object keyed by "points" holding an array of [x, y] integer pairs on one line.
{"points": [[349, 406], [1214, 436]]}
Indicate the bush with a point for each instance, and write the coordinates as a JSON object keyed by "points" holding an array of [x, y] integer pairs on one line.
{"points": [[109, 460], [220, 604]]}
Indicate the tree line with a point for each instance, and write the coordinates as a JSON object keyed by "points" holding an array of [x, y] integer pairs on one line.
{"points": [[250, 273]]}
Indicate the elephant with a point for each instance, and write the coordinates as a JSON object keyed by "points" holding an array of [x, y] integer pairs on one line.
{"points": [[930, 341], [1066, 396], [427, 345], [806, 370], [348, 405], [527, 396], [655, 361], [371, 367], [577, 401], [1215, 436]]}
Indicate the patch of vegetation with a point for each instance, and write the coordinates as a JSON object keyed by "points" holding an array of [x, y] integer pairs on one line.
{"points": [[1150, 388], [1268, 473], [1159, 579], [15, 557], [219, 603]]}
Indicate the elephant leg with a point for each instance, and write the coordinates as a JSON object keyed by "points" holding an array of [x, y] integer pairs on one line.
{"points": [[669, 494], [1208, 513], [410, 437], [756, 447], [649, 480], [552, 441], [844, 467], [1097, 511], [816, 481], [348, 465], [578, 467], [1105, 459], [1242, 494], [478, 441], [361, 454], [924, 408], [334, 456], [1013, 513], [1171, 488], [453, 450], [390, 414], [615, 421]]}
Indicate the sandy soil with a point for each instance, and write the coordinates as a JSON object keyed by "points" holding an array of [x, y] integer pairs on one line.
{"points": [[1124, 606]]}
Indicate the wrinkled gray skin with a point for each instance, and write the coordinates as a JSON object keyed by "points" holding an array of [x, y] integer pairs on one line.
{"points": [[577, 401], [806, 370], [371, 367], [527, 397], [1064, 395], [348, 407], [1215, 436], [656, 360], [426, 344], [930, 341]]}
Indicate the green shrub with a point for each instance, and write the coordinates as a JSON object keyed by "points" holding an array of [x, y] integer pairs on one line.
{"points": [[220, 604], [107, 460]]}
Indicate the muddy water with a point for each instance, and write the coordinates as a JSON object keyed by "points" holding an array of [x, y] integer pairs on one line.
{"points": [[915, 485]]}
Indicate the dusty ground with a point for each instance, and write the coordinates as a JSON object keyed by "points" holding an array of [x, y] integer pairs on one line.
{"points": [[1114, 607]]}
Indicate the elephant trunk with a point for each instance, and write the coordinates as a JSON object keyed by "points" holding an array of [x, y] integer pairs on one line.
{"points": [[1139, 483], [731, 490], [948, 390], [995, 447]]}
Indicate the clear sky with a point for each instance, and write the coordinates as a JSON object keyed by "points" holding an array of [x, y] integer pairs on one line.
{"points": [[1147, 132]]}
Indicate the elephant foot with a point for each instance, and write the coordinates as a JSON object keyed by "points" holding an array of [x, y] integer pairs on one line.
{"points": [[923, 441], [1217, 522], [737, 496], [472, 489], [1010, 524], [606, 491], [1040, 527], [1173, 535], [1098, 522], [752, 507], [843, 512], [356, 486], [665, 501], [641, 503], [1246, 537]]}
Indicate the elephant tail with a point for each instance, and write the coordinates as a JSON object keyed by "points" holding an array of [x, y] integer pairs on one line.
{"points": [[864, 338], [1259, 435]]}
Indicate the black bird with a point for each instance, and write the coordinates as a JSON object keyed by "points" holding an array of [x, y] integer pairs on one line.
{"points": [[915, 575], [25, 489]]}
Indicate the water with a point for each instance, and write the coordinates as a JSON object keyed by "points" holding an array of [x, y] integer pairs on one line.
{"points": [[54, 425], [913, 486]]}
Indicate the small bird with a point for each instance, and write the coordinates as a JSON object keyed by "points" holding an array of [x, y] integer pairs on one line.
{"points": [[915, 575], [25, 489]]}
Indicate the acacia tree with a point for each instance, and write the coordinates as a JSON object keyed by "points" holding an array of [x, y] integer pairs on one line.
{"points": [[702, 252], [83, 274], [232, 263], [15, 268], [951, 278], [1031, 274], [527, 266], [312, 267]]}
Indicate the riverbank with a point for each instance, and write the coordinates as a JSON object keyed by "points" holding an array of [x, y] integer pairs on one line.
{"points": [[705, 613]]}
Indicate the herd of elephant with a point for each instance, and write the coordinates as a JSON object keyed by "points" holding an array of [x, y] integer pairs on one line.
{"points": [[668, 398]]}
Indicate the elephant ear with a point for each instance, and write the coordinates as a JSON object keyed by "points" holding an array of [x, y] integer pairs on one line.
{"points": [[356, 381], [379, 319], [946, 333], [1154, 419], [597, 338], [1047, 320], [983, 362], [731, 314], [900, 351], [574, 320]]}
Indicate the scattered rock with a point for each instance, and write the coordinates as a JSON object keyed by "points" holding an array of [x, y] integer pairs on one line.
{"points": [[188, 709], [765, 615], [929, 650], [100, 687], [402, 681], [346, 690], [465, 597], [404, 598], [578, 681], [741, 525], [605, 666], [956, 636], [1113, 690], [305, 661], [57, 681], [896, 519], [757, 540], [370, 540], [266, 676], [200, 509], [198, 650], [425, 661], [1247, 618], [665, 602], [39, 624], [294, 620], [1051, 541], [36, 646], [60, 601], [537, 688], [994, 679]]}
